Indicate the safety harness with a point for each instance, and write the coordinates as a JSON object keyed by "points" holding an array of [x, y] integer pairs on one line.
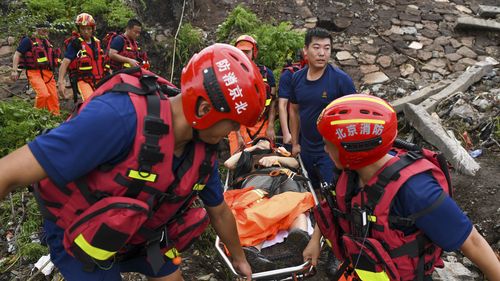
{"points": [[41, 56], [131, 49], [142, 205], [363, 233], [88, 64]]}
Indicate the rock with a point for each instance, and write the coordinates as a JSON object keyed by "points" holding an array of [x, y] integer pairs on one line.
{"points": [[436, 65], [482, 104], [396, 30], [458, 67], [399, 59], [454, 272], [11, 40], [432, 17], [406, 69], [415, 45], [349, 62], [365, 69], [369, 48], [493, 51], [5, 51], [430, 33], [409, 17], [430, 25], [454, 42], [343, 55], [453, 56], [466, 52], [310, 25], [463, 110], [161, 38], [285, 10], [463, 9], [442, 40], [342, 23], [467, 41], [367, 58], [424, 40], [467, 61], [424, 55], [375, 78], [311, 20], [384, 61], [409, 30]]}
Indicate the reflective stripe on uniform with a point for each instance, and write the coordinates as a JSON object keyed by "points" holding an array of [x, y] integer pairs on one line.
{"points": [[198, 186], [365, 275], [96, 253], [134, 174]]}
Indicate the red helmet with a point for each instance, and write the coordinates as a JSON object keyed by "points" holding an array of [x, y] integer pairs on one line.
{"points": [[84, 19], [362, 128], [247, 42], [222, 75]]}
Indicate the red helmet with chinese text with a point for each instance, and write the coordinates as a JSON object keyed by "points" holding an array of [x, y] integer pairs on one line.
{"points": [[362, 128], [247, 42], [222, 75], [85, 19]]}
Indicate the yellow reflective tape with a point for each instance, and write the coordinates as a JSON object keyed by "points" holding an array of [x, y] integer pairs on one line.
{"points": [[372, 218], [328, 243], [198, 186], [259, 192], [361, 98], [134, 174], [126, 64], [334, 193], [96, 253], [349, 121], [172, 253], [129, 48], [85, 68], [268, 102], [365, 275], [44, 59], [264, 79]]}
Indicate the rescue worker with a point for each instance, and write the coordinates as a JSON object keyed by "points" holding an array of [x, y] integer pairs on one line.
{"points": [[283, 95], [312, 88], [115, 179], [124, 49], [392, 215], [83, 58], [37, 55], [238, 140]]}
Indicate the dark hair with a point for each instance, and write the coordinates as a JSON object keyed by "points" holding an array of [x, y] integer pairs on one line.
{"points": [[133, 22], [317, 32]]}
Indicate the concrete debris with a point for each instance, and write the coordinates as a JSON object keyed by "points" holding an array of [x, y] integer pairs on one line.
{"points": [[419, 95], [488, 11], [473, 23]]}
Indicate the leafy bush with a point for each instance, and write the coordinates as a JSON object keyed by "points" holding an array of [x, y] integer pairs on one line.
{"points": [[22, 15], [276, 43], [189, 41], [20, 123], [239, 21]]}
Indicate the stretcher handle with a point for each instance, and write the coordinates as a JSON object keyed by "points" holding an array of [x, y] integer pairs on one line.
{"points": [[309, 184]]}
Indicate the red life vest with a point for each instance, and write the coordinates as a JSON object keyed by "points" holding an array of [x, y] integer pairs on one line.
{"points": [[41, 56], [87, 65], [131, 50], [361, 230], [294, 67], [141, 202]]}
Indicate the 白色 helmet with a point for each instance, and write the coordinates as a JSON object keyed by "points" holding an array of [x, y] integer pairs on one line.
{"points": [[85, 19], [222, 75], [362, 128]]}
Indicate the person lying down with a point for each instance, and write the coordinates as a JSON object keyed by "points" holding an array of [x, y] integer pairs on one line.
{"points": [[269, 201]]}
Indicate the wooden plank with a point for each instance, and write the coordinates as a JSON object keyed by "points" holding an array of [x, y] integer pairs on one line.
{"points": [[420, 95], [488, 11], [476, 24], [462, 83], [430, 129]]}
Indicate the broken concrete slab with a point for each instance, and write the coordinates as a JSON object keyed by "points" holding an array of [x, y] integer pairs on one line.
{"points": [[488, 11], [375, 78], [473, 23], [419, 95], [430, 129], [462, 83]]}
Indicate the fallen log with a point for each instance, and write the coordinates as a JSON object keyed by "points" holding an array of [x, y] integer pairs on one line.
{"points": [[473, 23], [419, 95], [488, 11], [434, 133], [462, 83]]}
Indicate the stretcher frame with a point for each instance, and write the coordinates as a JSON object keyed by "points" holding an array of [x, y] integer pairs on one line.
{"points": [[287, 273]]}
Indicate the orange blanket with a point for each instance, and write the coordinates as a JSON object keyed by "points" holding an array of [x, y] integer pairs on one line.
{"points": [[259, 218]]}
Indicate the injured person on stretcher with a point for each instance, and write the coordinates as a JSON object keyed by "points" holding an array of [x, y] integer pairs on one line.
{"points": [[270, 202]]}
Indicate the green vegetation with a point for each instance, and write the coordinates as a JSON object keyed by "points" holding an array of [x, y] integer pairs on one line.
{"points": [[23, 15], [277, 42], [189, 41], [20, 123]]}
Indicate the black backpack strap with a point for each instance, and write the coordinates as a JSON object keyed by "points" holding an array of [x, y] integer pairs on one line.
{"points": [[390, 173]]}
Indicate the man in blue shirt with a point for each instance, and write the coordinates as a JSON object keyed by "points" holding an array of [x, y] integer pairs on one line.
{"points": [[105, 133], [400, 202], [313, 88], [124, 51]]}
